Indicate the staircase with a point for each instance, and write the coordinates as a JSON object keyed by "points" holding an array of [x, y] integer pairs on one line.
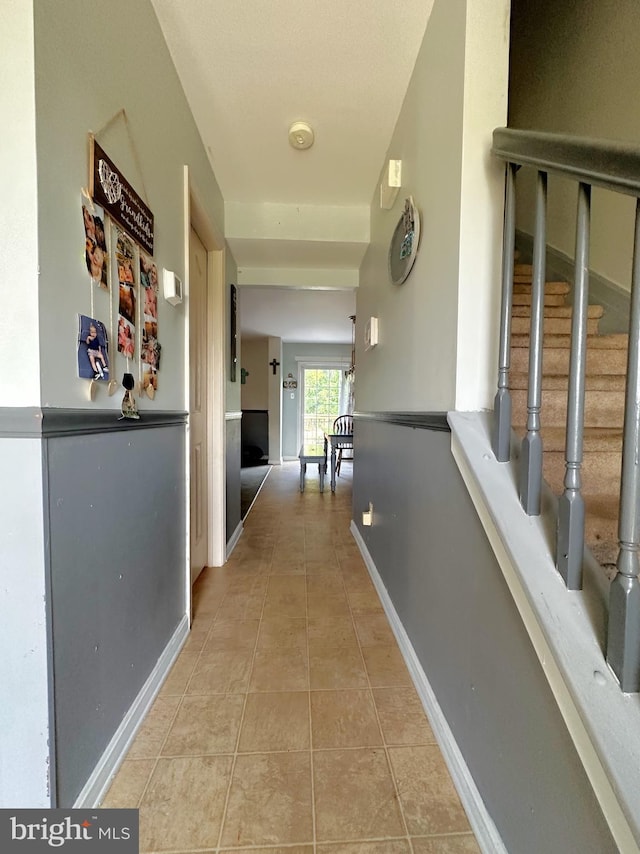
{"points": [[604, 405]]}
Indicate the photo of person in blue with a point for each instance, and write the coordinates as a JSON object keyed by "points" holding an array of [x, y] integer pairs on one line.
{"points": [[93, 349]]}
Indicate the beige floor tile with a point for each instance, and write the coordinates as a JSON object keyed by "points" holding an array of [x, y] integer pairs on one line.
{"points": [[402, 717], [287, 564], [286, 596], [182, 807], [290, 849], [320, 564], [330, 671], [176, 682], [332, 631], [355, 796], [389, 846], [232, 634], [463, 844], [319, 605], [429, 799], [278, 721], [207, 604], [128, 784], [374, 630], [386, 667], [241, 606], [205, 724], [270, 800], [344, 719], [196, 640], [223, 672], [282, 633], [285, 585], [280, 670], [329, 584], [364, 601], [151, 735]]}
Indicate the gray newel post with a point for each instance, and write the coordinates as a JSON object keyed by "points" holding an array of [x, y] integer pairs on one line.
{"points": [[501, 438], [570, 528], [623, 644], [531, 455]]}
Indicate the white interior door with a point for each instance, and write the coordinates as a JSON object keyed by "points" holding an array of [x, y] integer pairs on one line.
{"points": [[198, 354]]}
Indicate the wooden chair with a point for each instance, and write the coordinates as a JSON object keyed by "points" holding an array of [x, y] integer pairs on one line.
{"points": [[343, 424]]}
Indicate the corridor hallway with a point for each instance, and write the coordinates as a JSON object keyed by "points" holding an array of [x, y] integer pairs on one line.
{"points": [[289, 723]]}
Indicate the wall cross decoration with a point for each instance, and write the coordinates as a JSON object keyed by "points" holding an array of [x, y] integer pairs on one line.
{"points": [[274, 365]]}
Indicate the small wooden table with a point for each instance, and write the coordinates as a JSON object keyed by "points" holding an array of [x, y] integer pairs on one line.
{"points": [[312, 453], [336, 440]]}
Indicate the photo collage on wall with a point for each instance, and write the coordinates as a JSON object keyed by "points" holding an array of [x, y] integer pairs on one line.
{"points": [[93, 349], [150, 349], [95, 253], [112, 255], [125, 257]]}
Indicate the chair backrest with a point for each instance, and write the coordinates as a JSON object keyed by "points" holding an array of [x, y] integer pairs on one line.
{"points": [[343, 424]]}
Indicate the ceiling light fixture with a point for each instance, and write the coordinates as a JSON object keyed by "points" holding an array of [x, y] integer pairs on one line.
{"points": [[301, 135]]}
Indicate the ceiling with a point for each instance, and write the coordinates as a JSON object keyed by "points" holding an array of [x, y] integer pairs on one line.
{"points": [[312, 316], [251, 68]]}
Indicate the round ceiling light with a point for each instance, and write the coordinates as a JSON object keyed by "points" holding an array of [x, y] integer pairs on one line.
{"points": [[301, 135]]}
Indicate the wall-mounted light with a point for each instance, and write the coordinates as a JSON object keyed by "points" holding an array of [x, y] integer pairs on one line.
{"points": [[390, 184]]}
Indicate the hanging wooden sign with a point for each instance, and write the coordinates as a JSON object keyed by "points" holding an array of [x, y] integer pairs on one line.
{"points": [[110, 189]]}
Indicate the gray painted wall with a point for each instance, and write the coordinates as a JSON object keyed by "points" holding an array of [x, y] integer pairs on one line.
{"points": [[441, 574], [117, 531], [575, 68]]}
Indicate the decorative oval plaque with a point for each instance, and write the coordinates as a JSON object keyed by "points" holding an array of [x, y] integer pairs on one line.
{"points": [[404, 243]]}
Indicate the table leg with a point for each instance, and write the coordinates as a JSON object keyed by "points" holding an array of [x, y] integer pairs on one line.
{"points": [[333, 467], [321, 468], [303, 469]]}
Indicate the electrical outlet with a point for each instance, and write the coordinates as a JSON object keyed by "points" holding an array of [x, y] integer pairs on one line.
{"points": [[367, 516]]}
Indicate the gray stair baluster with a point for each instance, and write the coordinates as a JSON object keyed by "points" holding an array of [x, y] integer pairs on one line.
{"points": [[571, 511], [501, 439], [623, 643], [531, 454]]}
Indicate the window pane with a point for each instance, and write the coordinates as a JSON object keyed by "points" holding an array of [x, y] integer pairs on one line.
{"points": [[321, 401]]}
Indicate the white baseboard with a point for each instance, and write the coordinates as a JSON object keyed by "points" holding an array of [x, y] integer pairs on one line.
{"points": [[233, 542], [481, 822], [96, 786]]}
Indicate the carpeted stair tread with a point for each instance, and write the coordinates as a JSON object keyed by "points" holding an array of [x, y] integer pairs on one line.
{"points": [[550, 288], [557, 311], [593, 382], [594, 440], [555, 325], [520, 299], [555, 360], [614, 341], [602, 408]]}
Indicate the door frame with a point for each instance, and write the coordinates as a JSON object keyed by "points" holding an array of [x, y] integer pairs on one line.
{"points": [[195, 216]]}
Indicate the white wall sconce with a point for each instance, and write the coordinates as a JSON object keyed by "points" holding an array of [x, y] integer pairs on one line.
{"points": [[371, 333], [391, 183], [172, 287]]}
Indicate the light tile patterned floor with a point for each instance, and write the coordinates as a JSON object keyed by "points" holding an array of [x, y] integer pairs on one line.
{"points": [[289, 723]]}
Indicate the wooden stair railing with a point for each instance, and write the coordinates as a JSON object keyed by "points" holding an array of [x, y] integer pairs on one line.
{"points": [[604, 409], [597, 404]]}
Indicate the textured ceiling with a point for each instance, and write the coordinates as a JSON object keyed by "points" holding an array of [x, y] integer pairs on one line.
{"points": [[249, 69]]}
